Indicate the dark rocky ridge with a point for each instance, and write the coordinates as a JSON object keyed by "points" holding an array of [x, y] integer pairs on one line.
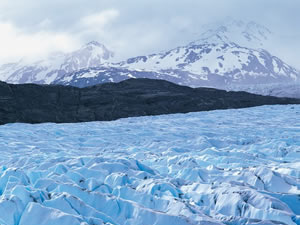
{"points": [[31, 103]]}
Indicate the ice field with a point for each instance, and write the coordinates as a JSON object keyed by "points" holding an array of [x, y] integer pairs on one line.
{"points": [[234, 167]]}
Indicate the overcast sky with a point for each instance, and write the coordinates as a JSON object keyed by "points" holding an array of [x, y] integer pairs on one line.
{"points": [[33, 28]]}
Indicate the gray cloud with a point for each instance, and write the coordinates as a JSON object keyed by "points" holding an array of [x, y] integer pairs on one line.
{"points": [[136, 27]]}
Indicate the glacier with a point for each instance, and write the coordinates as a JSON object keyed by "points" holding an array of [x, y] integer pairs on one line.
{"points": [[233, 167]]}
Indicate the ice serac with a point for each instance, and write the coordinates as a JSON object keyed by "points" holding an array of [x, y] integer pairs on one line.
{"points": [[230, 167], [45, 71]]}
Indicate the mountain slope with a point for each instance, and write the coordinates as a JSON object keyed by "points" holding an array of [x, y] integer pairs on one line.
{"points": [[248, 34], [208, 64], [225, 59], [291, 90], [226, 56], [56, 65], [32, 103]]}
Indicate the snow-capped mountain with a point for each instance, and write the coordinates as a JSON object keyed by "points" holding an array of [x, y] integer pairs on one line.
{"points": [[248, 34], [228, 60], [56, 65], [225, 56], [207, 64]]}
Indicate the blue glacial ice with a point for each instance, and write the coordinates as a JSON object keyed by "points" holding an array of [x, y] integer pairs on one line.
{"points": [[228, 167]]}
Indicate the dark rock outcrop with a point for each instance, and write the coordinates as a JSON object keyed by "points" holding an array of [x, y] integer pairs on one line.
{"points": [[31, 103]]}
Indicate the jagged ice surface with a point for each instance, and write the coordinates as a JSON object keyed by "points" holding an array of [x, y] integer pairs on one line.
{"points": [[237, 166]]}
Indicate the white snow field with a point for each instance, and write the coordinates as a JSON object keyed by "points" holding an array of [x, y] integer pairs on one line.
{"points": [[234, 167]]}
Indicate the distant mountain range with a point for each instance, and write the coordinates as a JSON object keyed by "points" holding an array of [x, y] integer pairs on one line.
{"points": [[208, 64], [56, 65], [229, 56]]}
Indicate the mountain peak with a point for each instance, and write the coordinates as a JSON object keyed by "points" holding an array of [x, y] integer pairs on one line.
{"points": [[229, 21], [244, 33], [93, 43], [96, 50], [92, 54]]}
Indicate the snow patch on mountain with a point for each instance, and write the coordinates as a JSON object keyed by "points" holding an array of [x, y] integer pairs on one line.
{"points": [[248, 34]]}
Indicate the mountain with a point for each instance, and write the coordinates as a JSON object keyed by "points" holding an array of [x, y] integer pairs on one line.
{"points": [[31, 103], [229, 61], [249, 34], [106, 74], [208, 64], [226, 56], [56, 65]]}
